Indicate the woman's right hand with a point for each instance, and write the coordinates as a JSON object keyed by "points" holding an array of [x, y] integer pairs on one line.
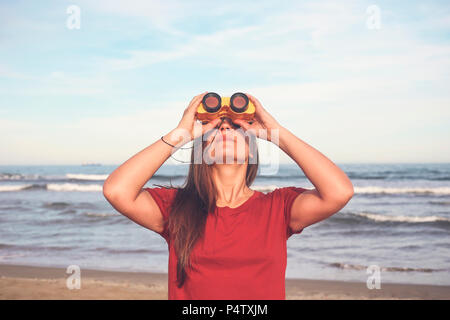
{"points": [[188, 123]]}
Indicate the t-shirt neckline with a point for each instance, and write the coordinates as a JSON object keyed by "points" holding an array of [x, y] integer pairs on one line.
{"points": [[243, 206]]}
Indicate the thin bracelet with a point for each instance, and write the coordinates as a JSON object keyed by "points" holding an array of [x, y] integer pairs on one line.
{"points": [[172, 144], [192, 146], [175, 147]]}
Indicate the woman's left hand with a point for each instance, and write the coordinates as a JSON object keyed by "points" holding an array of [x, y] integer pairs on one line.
{"points": [[263, 123]]}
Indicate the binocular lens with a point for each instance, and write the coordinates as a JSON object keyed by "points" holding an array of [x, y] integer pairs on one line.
{"points": [[239, 102], [212, 102]]}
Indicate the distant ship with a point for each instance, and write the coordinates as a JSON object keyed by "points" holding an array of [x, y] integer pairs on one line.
{"points": [[91, 164]]}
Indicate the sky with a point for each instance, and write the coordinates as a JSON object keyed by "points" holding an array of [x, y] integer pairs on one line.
{"points": [[360, 81]]}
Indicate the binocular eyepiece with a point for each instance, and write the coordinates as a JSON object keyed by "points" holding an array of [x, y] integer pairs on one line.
{"points": [[238, 102], [238, 106]]}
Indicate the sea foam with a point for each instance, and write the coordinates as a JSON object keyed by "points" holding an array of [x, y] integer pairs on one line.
{"points": [[375, 190], [74, 187], [80, 176]]}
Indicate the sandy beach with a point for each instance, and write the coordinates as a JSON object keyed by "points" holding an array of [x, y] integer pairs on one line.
{"points": [[27, 282]]}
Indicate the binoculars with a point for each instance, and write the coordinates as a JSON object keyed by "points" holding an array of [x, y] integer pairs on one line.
{"points": [[238, 106]]}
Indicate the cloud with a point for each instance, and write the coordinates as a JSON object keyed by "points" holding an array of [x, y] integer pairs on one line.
{"points": [[57, 83], [99, 139], [7, 72], [202, 45], [314, 65]]}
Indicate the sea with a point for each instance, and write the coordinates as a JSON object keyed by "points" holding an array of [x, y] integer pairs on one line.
{"points": [[395, 228]]}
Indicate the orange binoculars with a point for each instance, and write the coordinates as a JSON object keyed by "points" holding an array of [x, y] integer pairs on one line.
{"points": [[238, 106]]}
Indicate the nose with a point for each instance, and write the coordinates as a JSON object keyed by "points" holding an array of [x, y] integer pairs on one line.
{"points": [[226, 125]]}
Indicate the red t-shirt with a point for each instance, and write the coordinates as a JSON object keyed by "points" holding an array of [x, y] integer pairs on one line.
{"points": [[242, 254]]}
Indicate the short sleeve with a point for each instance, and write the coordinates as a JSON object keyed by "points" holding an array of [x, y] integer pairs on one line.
{"points": [[286, 196], [163, 198]]}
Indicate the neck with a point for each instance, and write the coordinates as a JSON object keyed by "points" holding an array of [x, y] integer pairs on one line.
{"points": [[230, 182]]}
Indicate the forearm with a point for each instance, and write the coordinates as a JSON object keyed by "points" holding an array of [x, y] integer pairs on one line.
{"points": [[330, 181], [128, 179]]}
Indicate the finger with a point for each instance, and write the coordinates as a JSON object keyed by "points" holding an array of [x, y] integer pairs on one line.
{"points": [[194, 99], [195, 102], [244, 124], [211, 125], [198, 95], [254, 100]]}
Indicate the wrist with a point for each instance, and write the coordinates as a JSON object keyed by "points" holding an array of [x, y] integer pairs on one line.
{"points": [[177, 137], [286, 138], [273, 134]]}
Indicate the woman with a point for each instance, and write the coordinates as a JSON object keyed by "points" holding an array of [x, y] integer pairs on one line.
{"points": [[226, 241]]}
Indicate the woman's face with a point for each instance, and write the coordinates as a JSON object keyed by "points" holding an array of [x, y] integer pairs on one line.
{"points": [[227, 145]]}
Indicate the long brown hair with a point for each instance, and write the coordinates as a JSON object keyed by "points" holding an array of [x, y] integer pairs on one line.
{"points": [[191, 205]]}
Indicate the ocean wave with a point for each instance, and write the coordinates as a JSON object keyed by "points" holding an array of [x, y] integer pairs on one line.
{"points": [[104, 218], [9, 256], [90, 177], [5, 176], [31, 248], [74, 187], [353, 176], [129, 251], [22, 187], [56, 205], [265, 188], [52, 222], [407, 219], [376, 190], [349, 218], [279, 177], [11, 176], [6, 188], [169, 176], [6, 246], [52, 187], [76, 176], [101, 214], [348, 266], [397, 176], [440, 203], [387, 190]]}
